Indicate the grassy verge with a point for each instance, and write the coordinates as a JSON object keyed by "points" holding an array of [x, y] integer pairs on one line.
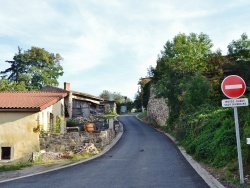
{"points": [[72, 158], [142, 115], [110, 115], [15, 166]]}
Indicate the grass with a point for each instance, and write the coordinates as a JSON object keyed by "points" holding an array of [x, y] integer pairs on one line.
{"points": [[15, 166], [79, 156], [71, 159], [110, 115], [142, 115]]}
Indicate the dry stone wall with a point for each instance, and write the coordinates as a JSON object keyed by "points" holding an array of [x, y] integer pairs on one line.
{"points": [[157, 109], [74, 140]]}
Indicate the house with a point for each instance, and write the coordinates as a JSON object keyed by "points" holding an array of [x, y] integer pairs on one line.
{"points": [[22, 116], [79, 104]]}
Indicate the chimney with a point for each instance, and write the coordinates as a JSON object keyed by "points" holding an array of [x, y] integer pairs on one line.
{"points": [[66, 86]]}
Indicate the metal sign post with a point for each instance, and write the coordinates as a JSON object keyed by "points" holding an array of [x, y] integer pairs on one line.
{"points": [[238, 144], [234, 87]]}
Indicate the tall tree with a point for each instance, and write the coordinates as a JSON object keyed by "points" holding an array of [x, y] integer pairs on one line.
{"points": [[18, 66], [239, 56], [105, 95], [6, 85], [35, 67], [118, 98], [240, 49], [180, 60]]}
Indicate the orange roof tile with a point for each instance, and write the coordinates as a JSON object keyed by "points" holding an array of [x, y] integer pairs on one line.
{"points": [[30, 101]]}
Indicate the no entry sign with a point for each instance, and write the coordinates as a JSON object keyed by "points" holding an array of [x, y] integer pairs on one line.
{"points": [[233, 86]]}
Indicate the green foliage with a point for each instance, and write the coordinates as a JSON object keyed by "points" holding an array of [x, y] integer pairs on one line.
{"points": [[15, 166], [71, 123], [115, 96], [142, 115], [188, 53], [6, 85], [35, 68], [211, 136], [240, 49], [197, 91], [146, 94], [138, 101], [109, 115], [59, 121], [118, 98], [71, 155], [178, 74], [189, 75], [106, 95]]}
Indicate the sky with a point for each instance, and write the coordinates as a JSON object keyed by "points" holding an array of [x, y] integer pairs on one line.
{"points": [[110, 44]]}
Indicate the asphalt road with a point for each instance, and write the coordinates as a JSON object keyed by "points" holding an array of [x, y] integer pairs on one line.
{"points": [[143, 157]]}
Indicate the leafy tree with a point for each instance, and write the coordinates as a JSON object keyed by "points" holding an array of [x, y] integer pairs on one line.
{"points": [[35, 67], [6, 85], [144, 91], [197, 92], [118, 98], [240, 49], [188, 53], [239, 57], [180, 60], [138, 101], [105, 95], [17, 67]]}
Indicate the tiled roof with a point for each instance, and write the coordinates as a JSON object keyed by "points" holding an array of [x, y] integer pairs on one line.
{"points": [[30, 101]]}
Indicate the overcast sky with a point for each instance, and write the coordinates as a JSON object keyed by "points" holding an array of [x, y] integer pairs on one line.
{"points": [[109, 44]]}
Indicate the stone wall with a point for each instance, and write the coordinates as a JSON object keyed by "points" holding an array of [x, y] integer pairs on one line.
{"points": [[74, 140], [157, 109]]}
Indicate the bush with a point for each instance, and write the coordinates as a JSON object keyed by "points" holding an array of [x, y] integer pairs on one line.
{"points": [[209, 135]]}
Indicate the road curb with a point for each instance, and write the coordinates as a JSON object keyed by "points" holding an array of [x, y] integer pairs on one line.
{"points": [[206, 176]]}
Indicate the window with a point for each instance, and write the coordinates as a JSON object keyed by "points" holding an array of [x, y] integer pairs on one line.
{"points": [[5, 153]]}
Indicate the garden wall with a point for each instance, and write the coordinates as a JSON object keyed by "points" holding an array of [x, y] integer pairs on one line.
{"points": [[74, 140]]}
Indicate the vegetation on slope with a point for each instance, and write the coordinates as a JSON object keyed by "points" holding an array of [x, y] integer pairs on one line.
{"points": [[188, 75]]}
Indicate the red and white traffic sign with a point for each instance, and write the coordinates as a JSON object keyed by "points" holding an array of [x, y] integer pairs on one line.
{"points": [[233, 86]]}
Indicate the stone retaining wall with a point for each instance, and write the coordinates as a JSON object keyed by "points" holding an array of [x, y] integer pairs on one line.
{"points": [[157, 109], [74, 140]]}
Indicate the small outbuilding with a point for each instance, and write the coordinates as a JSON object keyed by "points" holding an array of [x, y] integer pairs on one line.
{"points": [[22, 116]]}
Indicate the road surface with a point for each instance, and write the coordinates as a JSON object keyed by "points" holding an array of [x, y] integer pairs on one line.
{"points": [[143, 157]]}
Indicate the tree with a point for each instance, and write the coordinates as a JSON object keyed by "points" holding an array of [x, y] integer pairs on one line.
{"points": [[240, 49], [35, 67], [180, 60], [118, 98], [138, 101], [144, 91], [239, 56], [6, 85], [17, 67], [105, 95], [188, 53], [196, 93]]}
